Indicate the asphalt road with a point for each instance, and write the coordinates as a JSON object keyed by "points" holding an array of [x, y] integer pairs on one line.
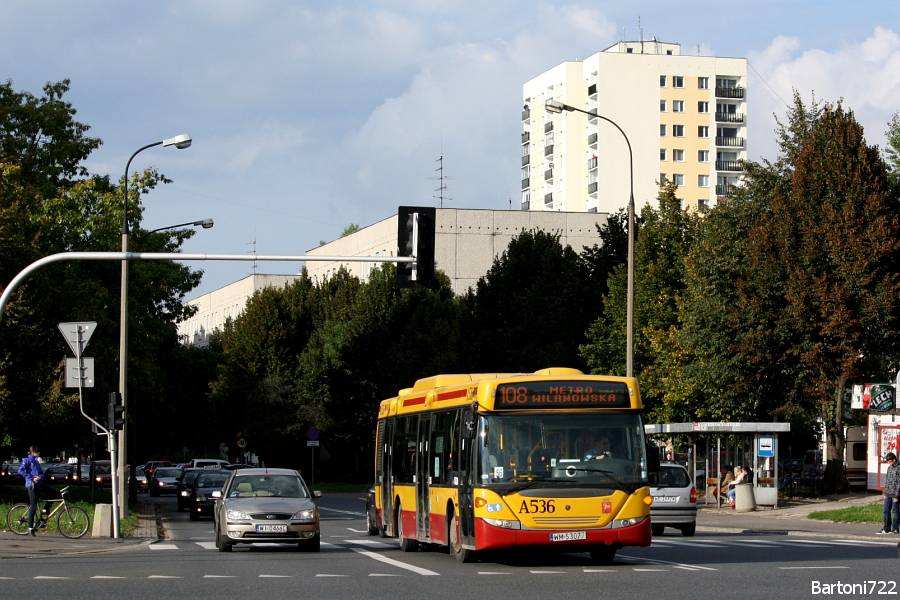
{"points": [[352, 564]]}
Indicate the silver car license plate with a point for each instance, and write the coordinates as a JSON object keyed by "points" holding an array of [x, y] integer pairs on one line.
{"points": [[568, 536], [665, 499], [271, 528]]}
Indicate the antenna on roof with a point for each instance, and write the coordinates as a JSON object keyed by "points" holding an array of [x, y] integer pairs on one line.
{"points": [[443, 187], [253, 243], [641, 33]]}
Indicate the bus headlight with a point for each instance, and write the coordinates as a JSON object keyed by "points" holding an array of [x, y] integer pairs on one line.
{"points": [[503, 523], [627, 522]]}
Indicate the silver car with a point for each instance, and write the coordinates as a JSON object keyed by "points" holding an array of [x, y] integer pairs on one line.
{"points": [[674, 501], [265, 506]]}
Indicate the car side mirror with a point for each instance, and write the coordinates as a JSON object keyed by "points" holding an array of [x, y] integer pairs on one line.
{"points": [[216, 494], [317, 494]]}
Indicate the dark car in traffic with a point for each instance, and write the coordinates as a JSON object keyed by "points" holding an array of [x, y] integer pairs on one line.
{"points": [[60, 474], [207, 487], [185, 485]]}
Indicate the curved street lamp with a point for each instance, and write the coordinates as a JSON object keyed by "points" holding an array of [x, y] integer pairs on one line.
{"points": [[205, 224], [555, 106], [179, 141]]}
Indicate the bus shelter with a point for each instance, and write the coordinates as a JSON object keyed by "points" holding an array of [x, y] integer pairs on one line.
{"points": [[737, 444]]}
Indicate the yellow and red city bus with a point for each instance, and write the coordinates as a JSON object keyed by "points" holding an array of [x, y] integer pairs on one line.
{"points": [[510, 460]]}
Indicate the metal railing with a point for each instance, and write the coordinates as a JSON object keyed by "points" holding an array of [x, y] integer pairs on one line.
{"points": [[737, 142], [735, 92]]}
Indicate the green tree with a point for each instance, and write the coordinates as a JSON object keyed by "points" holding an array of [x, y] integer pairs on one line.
{"points": [[531, 309], [892, 153], [666, 235]]}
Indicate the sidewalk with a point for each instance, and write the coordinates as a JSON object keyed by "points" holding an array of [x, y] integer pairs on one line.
{"points": [[791, 518], [45, 544]]}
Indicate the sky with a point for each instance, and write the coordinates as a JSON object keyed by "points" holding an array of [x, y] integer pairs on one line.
{"points": [[307, 117]]}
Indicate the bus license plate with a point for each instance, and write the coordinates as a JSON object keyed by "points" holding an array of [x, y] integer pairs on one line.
{"points": [[568, 536], [271, 528]]}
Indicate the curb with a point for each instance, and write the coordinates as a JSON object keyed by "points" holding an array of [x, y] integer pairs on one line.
{"points": [[786, 532]]}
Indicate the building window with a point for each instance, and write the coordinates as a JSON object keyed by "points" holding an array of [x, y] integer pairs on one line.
{"points": [[703, 156], [677, 81], [526, 171], [678, 155], [662, 154], [662, 106], [678, 106], [703, 204], [703, 107], [662, 131], [662, 81], [662, 178], [703, 180], [678, 130], [678, 178], [629, 50], [703, 131], [703, 83]]}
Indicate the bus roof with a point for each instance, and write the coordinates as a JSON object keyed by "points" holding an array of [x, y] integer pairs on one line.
{"points": [[581, 391]]}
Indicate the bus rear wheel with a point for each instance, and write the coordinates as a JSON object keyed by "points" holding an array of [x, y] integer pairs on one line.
{"points": [[406, 544], [463, 555]]}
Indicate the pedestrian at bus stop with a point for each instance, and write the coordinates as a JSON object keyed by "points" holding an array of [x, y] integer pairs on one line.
{"points": [[31, 470], [891, 495]]}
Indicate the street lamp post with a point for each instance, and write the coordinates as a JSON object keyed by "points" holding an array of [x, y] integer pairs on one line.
{"points": [[555, 106], [180, 142]]}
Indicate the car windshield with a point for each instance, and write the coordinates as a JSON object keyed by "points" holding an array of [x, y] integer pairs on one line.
{"points": [[673, 477], [261, 486], [190, 477], [168, 473], [101, 469], [583, 449], [57, 471], [139, 472], [211, 480]]}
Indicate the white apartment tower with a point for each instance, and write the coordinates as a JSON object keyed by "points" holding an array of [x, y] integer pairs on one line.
{"points": [[685, 117]]}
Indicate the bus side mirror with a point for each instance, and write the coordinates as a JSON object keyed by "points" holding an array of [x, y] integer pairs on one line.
{"points": [[653, 462], [468, 429]]}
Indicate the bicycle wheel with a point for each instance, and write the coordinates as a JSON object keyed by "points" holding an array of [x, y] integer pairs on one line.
{"points": [[73, 522], [17, 519]]}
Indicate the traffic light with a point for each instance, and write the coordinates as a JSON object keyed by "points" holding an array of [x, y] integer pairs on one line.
{"points": [[116, 417], [415, 237]]}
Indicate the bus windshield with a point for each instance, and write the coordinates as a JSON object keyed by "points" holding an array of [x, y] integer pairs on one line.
{"points": [[582, 448]]}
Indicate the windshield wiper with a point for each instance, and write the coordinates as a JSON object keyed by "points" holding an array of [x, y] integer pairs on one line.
{"points": [[617, 484]]}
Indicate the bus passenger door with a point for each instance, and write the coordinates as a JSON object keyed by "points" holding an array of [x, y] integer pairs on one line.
{"points": [[467, 457], [385, 479], [423, 508]]}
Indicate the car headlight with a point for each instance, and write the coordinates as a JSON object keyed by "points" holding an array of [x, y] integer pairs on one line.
{"points": [[236, 515], [305, 515], [185, 493]]}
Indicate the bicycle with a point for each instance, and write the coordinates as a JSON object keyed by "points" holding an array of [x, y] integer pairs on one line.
{"points": [[72, 521]]}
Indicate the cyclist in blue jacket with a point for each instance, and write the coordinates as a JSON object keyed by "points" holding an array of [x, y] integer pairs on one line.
{"points": [[31, 470]]}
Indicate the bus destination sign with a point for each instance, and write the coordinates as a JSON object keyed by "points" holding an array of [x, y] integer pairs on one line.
{"points": [[562, 394]]}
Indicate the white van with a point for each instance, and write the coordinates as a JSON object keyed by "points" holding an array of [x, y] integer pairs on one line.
{"points": [[199, 463]]}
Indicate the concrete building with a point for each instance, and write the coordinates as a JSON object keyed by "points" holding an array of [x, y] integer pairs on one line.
{"points": [[226, 302], [685, 117], [466, 243]]}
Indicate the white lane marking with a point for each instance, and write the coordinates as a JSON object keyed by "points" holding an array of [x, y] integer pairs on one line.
{"points": [[687, 568], [820, 543], [356, 530], [163, 577], [653, 561], [640, 570], [396, 563], [107, 577], [762, 542], [373, 543], [346, 512], [278, 576], [803, 568], [599, 570], [49, 577], [207, 545], [694, 544], [163, 547], [548, 572], [219, 576]]}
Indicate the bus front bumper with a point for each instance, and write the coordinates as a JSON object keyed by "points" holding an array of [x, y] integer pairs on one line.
{"points": [[489, 536]]}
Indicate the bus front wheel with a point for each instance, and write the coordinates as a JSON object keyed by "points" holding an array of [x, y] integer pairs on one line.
{"points": [[463, 555], [603, 555], [406, 544]]}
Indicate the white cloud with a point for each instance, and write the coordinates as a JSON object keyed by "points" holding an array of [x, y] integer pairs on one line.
{"points": [[866, 75]]}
